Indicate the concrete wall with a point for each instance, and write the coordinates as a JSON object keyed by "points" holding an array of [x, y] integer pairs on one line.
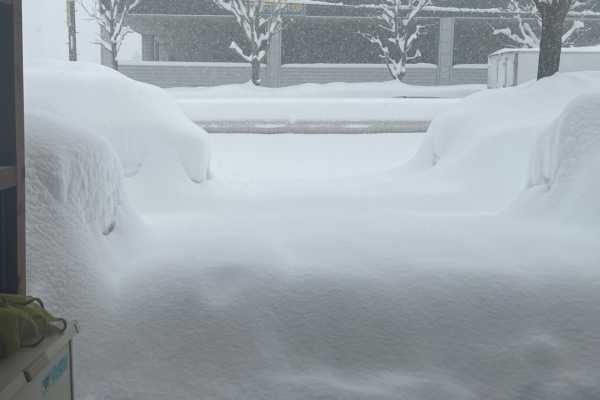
{"points": [[173, 74], [295, 74], [465, 74], [182, 74]]}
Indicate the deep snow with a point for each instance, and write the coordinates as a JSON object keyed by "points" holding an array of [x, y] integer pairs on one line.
{"points": [[468, 272], [310, 103], [150, 137], [290, 111], [391, 89]]}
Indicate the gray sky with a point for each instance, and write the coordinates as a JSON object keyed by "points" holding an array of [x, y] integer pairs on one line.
{"points": [[45, 33]]}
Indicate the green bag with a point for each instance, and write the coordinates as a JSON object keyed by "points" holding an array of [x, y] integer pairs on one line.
{"points": [[24, 322]]}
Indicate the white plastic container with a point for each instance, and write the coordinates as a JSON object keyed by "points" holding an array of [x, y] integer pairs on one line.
{"points": [[44, 372], [512, 67]]}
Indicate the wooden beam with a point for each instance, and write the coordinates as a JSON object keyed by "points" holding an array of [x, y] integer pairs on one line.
{"points": [[20, 143], [8, 177]]}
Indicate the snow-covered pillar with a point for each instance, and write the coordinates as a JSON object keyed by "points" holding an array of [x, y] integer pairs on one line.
{"points": [[273, 73], [148, 46], [446, 50]]}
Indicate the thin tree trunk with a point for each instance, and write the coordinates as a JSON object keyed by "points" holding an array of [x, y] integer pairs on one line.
{"points": [[404, 59], [113, 55], [256, 71]]}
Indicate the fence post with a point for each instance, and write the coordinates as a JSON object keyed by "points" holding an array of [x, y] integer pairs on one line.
{"points": [[148, 47], [273, 73]]}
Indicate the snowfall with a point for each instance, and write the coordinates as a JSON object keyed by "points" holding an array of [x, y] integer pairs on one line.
{"points": [[457, 264]]}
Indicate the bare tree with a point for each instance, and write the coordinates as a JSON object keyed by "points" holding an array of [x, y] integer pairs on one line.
{"points": [[529, 26], [396, 39], [111, 16], [259, 20]]}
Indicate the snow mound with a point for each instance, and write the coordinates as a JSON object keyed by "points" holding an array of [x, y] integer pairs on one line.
{"points": [[154, 140], [75, 169], [505, 144], [79, 227], [565, 164]]}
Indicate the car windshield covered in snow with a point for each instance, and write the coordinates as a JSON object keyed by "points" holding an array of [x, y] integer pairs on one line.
{"points": [[318, 199]]}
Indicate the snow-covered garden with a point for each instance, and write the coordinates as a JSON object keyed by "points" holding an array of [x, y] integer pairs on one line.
{"points": [[456, 264]]}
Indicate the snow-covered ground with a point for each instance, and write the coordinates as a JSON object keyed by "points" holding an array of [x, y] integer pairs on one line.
{"points": [[253, 157], [391, 89], [460, 264], [289, 110], [339, 103]]}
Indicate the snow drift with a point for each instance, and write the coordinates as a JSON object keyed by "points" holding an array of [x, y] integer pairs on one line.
{"points": [[88, 131], [286, 292], [532, 149], [564, 169], [154, 140], [79, 225]]}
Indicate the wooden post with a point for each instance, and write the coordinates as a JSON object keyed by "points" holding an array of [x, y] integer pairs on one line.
{"points": [[12, 152]]}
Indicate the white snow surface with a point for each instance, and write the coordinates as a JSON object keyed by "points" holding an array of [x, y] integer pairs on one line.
{"points": [[389, 89], [469, 271], [344, 102], [145, 127], [289, 110]]}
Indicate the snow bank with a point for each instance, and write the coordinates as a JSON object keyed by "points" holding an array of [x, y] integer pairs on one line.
{"points": [[76, 169], [79, 227], [303, 110], [389, 89], [154, 140], [565, 164], [92, 136], [314, 103], [505, 143]]}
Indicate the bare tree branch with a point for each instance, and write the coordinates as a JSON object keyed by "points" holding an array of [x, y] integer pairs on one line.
{"points": [[111, 16], [260, 21], [398, 33]]}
